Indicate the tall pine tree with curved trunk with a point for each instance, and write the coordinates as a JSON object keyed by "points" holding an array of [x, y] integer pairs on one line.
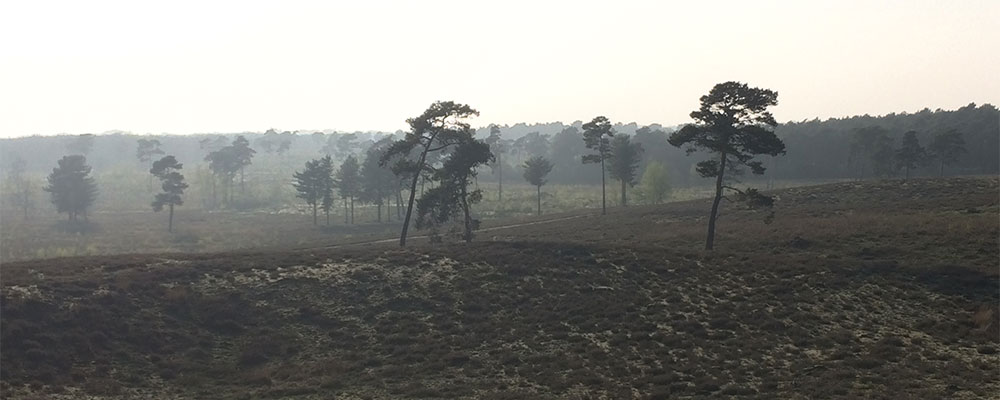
{"points": [[596, 135], [535, 170], [624, 163], [440, 127], [733, 125], [167, 169]]}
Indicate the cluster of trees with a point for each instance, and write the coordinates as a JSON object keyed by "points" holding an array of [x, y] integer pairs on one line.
{"points": [[228, 161], [875, 147]]}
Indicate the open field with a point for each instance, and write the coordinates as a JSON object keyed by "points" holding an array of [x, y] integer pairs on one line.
{"points": [[882, 289], [285, 225]]}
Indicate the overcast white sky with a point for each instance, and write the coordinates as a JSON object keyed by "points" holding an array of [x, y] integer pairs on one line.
{"points": [[227, 66]]}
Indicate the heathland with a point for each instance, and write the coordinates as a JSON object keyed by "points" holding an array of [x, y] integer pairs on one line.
{"points": [[855, 289]]}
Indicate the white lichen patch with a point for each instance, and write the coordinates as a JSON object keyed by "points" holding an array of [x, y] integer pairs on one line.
{"points": [[30, 292]]}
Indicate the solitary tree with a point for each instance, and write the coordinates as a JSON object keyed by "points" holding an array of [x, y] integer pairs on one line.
{"points": [[596, 134], [167, 169], [349, 184], [71, 187], [946, 148], [452, 196], [146, 150], [441, 126], [309, 185], [911, 154], [535, 170], [655, 183], [733, 124], [624, 162]]}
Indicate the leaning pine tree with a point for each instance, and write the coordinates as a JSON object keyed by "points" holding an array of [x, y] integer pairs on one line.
{"points": [[442, 126], [733, 124]]}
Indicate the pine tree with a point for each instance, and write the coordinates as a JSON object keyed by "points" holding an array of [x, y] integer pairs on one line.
{"points": [[946, 148], [441, 126], [733, 124], [349, 184], [623, 164], [145, 151], [911, 154], [71, 187], [167, 170], [535, 170], [309, 185], [596, 134], [452, 196]]}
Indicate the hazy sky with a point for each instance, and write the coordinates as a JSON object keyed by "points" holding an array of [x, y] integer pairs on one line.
{"points": [[228, 66]]}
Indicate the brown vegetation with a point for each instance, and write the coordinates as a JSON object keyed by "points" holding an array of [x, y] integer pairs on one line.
{"points": [[879, 289]]}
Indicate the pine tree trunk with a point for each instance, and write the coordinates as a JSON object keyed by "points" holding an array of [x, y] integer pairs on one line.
{"points": [[352, 210], [500, 180], [539, 212], [604, 200], [468, 218], [242, 185], [379, 211], [170, 219], [413, 194], [314, 214], [710, 241], [399, 204], [940, 173], [624, 199], [345, 211]]}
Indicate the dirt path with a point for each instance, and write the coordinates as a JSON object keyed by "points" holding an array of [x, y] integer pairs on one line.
{"points": [[495, 228]]}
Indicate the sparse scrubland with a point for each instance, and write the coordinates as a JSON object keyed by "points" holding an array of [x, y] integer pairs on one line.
{"points": [[877, 289]]}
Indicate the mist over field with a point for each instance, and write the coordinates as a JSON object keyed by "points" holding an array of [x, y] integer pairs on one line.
{"points": [[819, 222]]}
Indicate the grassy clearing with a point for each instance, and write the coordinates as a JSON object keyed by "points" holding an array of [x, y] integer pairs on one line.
{"points": [[880, 289], [46, 235]]}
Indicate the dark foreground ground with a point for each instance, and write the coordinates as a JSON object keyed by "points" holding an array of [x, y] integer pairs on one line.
{"points": [[867, 290]]}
